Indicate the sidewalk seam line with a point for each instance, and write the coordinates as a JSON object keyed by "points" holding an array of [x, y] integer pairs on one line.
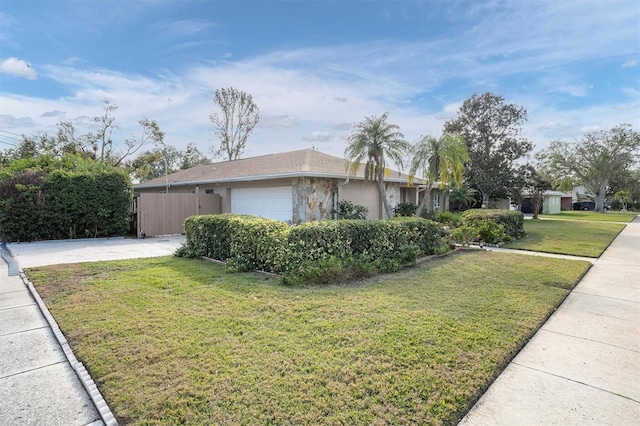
{"points": [[588, 339], [24, 331], [575, 381], [62, 361]]}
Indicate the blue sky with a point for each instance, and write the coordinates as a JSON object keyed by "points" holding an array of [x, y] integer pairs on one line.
{"points": [[317, 67]]}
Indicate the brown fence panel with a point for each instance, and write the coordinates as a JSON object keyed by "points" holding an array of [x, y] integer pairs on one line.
{"points": [[164, 214]]}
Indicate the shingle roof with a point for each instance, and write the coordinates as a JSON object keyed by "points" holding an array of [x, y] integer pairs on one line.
{"points": [[305, 162]]}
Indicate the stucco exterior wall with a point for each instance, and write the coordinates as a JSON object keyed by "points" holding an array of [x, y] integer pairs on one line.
{"points": [[362, 194]]}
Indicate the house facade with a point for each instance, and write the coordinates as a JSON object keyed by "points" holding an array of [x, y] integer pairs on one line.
{"points": [[296, 186]]}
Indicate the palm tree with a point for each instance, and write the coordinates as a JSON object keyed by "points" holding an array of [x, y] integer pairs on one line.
{"points": [[463, 196], [439, 160], [372, 142]]}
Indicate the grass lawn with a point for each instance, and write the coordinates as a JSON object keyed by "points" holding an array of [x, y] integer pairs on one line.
{"points": [[592, 216], [179, 341], [577, 238]]}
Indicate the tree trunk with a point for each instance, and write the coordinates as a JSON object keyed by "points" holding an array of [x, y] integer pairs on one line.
{"points": [[535, 202], [423, 203], [600, 195], [485, 199], [383, 196]]}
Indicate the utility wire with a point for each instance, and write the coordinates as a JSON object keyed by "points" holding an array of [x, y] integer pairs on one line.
{"points": [[7, 143], [10, 133]]}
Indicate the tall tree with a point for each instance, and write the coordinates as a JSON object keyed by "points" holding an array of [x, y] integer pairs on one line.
{"points": [[372, 143], [165, 159], [597, 158], [438, 161], [235, 119], [492, 131], [192, 157], [98, 145]]}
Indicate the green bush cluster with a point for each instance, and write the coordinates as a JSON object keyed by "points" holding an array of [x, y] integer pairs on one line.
{"points": [[491, 225], [245, 242], [348, 210], [61, 204], [314, 251], [405, 209]]}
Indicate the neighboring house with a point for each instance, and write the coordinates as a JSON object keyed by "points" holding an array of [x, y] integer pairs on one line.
{"points": [[295, 186]]}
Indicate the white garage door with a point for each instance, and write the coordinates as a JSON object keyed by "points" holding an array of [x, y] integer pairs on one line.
{"points": [[271, 203]]}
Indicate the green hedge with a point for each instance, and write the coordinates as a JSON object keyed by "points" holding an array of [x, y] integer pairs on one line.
{"points": [[248, 242], [494, 225], [38, 205]]}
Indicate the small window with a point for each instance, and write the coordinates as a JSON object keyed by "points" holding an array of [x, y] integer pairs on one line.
{"points": [[208, 191], [192, 191], [436, 200]]}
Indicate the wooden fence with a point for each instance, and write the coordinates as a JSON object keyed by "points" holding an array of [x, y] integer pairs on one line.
{"points": [[164, 214]]}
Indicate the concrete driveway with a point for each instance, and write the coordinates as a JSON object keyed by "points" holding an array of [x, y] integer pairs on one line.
{"points": [[43, 253]]}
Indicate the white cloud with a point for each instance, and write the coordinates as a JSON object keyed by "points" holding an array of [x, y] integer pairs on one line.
{"points": [[55, 113], [318, 136], [184, 28], [8, 121], [278, 121], [631, 63], [18, 68], [589, 129]]}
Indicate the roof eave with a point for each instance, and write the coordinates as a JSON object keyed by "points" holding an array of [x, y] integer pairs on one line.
{"points": [[261, 177]]}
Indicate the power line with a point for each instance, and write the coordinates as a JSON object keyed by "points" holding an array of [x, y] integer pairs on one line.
{"points": [[11, 133]]}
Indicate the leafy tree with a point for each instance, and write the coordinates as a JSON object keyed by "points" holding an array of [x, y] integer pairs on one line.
{"points": [[535, 185], [597, 158], [438, 161], [192, 157], [238, 115], [492, 131], [98, 146], [372, 142], [165, 159]]}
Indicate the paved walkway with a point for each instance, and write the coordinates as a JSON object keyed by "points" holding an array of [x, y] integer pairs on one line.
{"points": [[583, 366], [41, 381]]}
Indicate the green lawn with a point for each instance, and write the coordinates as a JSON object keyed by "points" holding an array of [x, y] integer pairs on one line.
{"points": [[592, 216], [577, 238], [179, 341]]}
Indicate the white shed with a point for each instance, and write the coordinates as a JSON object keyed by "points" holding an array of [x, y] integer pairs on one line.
{"points": [[551, 202]]}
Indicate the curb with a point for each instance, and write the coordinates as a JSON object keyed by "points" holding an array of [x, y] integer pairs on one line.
{"points": [[14, 269], [89, 385]]}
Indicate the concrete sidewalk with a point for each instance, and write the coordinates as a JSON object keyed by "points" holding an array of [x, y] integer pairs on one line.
{"points": [[38, 386], [583, 366], [41, 381]]}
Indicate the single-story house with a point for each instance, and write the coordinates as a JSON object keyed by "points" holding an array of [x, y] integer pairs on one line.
{"points": [[296, 186]]}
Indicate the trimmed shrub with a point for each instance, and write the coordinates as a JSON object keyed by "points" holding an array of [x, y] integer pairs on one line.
{"points": [[37, 205], [447, 218], [245, 242], [512, 223], [314, 251], [406, 209], [348, 210]]}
